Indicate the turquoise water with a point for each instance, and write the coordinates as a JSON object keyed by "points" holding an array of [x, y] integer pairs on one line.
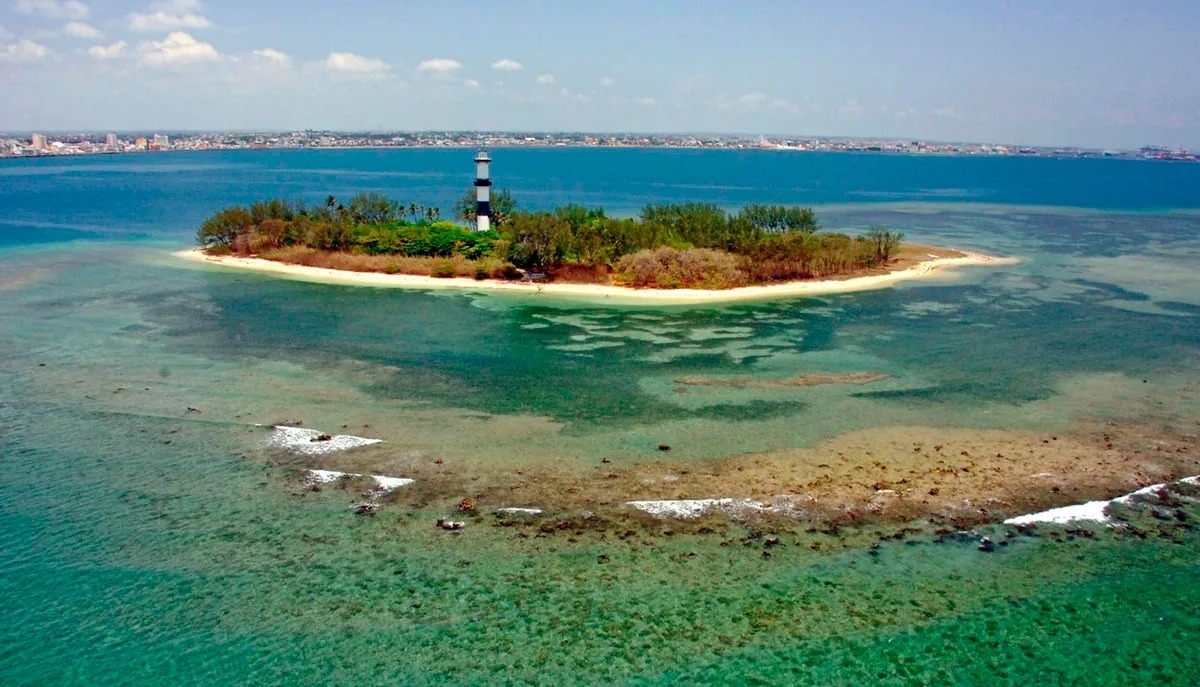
{"points": [[144, 543]]}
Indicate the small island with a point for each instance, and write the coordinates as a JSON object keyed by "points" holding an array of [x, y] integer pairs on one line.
{"points": [[669, 252]]}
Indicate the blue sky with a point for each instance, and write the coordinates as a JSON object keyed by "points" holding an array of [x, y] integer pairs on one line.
{"points": [[1096, 73]]}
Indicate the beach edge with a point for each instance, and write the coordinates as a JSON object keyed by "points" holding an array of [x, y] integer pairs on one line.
{"points": [[821, 287]]}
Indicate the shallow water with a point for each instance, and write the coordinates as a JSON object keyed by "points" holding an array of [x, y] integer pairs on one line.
{"points": [[143, 542]]}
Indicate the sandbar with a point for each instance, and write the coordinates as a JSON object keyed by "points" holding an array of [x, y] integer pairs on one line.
{"points": [[923, 269]]}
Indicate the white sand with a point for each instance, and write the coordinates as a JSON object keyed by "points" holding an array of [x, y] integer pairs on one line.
{"points": [[595, 291], [303, 440]]}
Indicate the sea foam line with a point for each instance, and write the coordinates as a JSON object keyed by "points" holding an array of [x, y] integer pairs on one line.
{"points": [[309, 441], [1092, 511], [518, 510], [690, 509], [384, 484]]}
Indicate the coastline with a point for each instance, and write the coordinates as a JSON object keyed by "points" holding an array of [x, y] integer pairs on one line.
{"points": [[820, 287]]}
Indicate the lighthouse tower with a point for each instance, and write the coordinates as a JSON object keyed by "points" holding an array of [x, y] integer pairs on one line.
{"points": [[483, 192]]}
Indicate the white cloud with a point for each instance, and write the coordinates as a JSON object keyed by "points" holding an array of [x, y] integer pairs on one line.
{"points": [[946, 113], [4, 32], [273, 57], [176, 6], [349, 63], [753, 100], [607, 81], [578, 97], [850, 107], [107, 52], [23, 50], [545, 79], [53, 9], [169, 15], [79, 29], [647, 101], [508, 65], [177, 48], [439, 65], [471, 83], [785, 105]]}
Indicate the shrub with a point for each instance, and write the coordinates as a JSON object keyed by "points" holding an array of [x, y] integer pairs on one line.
{"points": [[222, 228], [444, 270], [494, 268], [671, 268], [268, 235]]}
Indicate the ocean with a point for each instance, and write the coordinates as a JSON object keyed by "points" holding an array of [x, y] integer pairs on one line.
{"points": [[150, 534]]}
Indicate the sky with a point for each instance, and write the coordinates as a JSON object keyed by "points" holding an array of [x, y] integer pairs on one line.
{"points": [[1094, 73]]}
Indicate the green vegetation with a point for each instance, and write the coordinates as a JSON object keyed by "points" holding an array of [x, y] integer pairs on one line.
{"points": [[691, 245], [503, 207]]}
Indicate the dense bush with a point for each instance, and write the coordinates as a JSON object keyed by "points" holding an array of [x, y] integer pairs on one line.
{"points": [[672, 268], [692, 245], [440, 239]]}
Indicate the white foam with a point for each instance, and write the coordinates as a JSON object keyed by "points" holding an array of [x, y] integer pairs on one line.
{"points": [[306, 441], [519, 511], [383, 483], [323, 476], [1092, 511], [387, 484], [1152, 489], [690, 509], [683, 508]]}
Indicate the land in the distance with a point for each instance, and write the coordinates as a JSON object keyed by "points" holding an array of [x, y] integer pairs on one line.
{"points": [[92, 143]]}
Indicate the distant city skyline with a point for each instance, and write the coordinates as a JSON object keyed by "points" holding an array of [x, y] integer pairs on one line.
{"points": [[1103, 74]]}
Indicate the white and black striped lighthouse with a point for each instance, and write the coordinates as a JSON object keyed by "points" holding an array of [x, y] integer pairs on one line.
{"points": [[483, 192]]}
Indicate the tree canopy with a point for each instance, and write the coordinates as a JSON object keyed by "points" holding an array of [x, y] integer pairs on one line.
{"points": [[677, 242], [502, 203]]}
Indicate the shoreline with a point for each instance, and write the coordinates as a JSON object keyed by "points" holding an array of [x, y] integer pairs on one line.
{"points": [[820, 287]]}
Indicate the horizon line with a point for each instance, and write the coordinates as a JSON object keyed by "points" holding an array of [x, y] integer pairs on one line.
{"points": [[552, 132]]}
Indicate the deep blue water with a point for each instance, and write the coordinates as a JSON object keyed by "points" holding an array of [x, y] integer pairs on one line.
{"points": [[130, 195]]}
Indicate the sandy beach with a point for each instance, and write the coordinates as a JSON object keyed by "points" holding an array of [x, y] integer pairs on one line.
{"points": [[923, 269]]}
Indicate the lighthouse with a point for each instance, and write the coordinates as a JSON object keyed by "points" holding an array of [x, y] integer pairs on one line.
{"points": [[483, 191]]}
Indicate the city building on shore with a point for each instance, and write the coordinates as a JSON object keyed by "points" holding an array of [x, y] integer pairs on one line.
{"points": [[17, 145]]}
